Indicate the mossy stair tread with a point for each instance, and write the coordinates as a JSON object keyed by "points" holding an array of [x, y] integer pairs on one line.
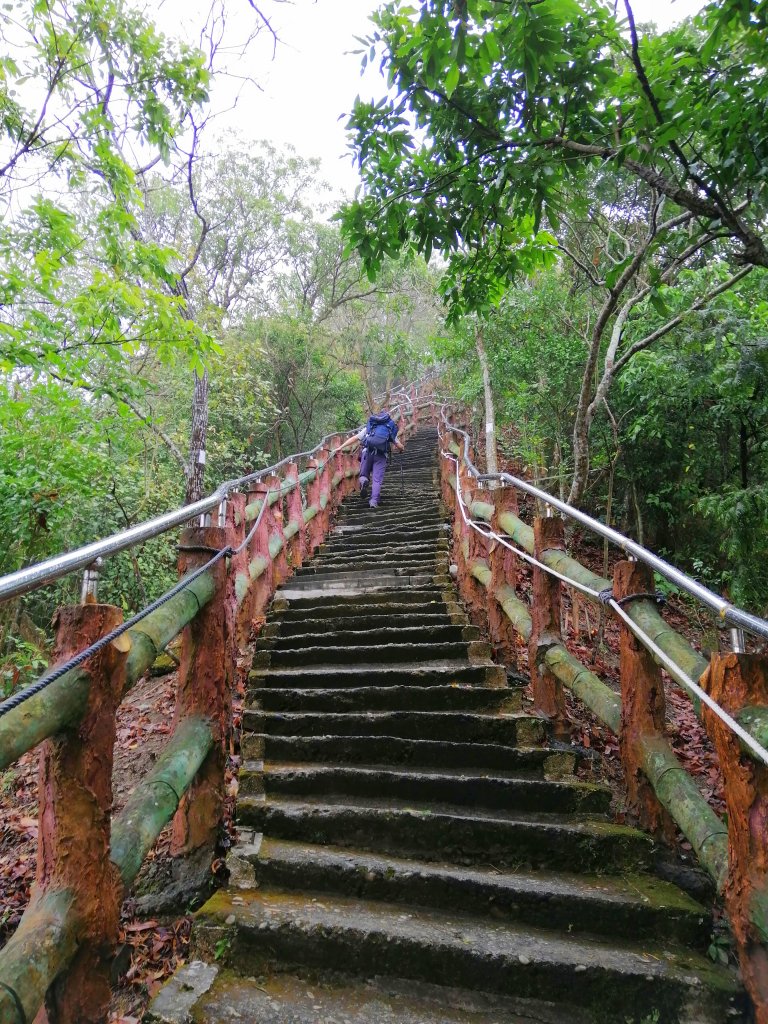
{"points": [[366, 638], [423, 753], [333, 999], [480, 790], [387, 698], [418, 940], [388, 807], [381, 654], [357, 623], [475, 725], [630, 905], [273, 767], [447, 671]]}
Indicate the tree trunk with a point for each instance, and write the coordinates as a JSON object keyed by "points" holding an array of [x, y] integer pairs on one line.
{"points": [[743, 455], [491, 459], [198, 435]]}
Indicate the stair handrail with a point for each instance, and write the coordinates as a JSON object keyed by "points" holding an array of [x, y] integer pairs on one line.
{"points": [[229, 573], [726, 611], [730, 696], [23, 581]]}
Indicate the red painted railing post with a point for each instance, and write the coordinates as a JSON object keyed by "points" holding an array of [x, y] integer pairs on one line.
{"points": [[206, 676], [352, 466], [337, 468], [504, 569], [548, 695], [466, 545], [274, 516], [239, 580], [297, 543], [258, 552], [478, 550], [318, 494], [643, 705], [74, 812], [447, 479], [739, 683]]}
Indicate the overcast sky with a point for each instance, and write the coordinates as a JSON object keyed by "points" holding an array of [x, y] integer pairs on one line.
{"points": [[314, 78]]}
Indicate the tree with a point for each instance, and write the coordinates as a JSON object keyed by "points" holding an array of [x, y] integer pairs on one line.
{"points": [[77, 281], [503, 109]]}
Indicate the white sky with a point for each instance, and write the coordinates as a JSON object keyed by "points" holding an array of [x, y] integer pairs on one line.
{"points": [[313, 78]]}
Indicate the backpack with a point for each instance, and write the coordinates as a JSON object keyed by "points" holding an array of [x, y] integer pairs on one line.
{"points": [[380, 430]]}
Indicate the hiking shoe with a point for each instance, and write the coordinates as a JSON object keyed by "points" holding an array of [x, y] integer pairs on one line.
{"points": [[363, 486], [373, 504]]}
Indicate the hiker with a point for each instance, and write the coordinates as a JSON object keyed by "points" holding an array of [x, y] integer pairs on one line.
{"points": [[375, 437]]}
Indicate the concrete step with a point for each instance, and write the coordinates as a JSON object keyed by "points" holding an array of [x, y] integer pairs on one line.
{"points": [[451, 832], [636, 906], [360, 584], [335, 608], [333, 998], [372, 637], [425, 598], [265, 927], [400, 534], [376, 617], [474, 651], [360, 568], [350, 558], [461, 726], [360, 561], [390, 515], [501, 791], [423, 753], [417, 529], [387, 698], [345, 535], [418, 673]]}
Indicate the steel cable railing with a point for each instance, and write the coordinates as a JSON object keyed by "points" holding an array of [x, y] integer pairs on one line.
{"points": [[604, 597], [31, 578], [21, 696], [726, 611]]}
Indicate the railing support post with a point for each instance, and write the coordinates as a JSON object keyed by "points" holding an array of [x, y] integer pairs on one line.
{"points": [[643, 704], [504, 568], [318, 495], [548, 694], [258, 551], [239, 584], [738, 682], [477, 547], [74, 814], [461, 540], [338, 479], [205, 682], [274, 517], [297, 543]]}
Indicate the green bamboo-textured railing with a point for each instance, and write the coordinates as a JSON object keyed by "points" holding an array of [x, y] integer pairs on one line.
{"points": [[56, 928], [733, 851]]}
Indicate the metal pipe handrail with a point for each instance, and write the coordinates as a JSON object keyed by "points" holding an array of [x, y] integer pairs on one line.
{"points": [[31, 578], [726, 611]]}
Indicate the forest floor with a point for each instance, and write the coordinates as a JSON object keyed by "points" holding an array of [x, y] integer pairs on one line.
{"points": [[152, 947]]}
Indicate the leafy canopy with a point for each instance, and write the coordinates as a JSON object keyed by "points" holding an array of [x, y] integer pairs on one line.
{"points": [[499, 104], [90, 96]]}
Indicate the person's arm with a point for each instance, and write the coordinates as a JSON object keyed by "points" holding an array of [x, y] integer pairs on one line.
{"points": [[398, 444], [355, 439]]}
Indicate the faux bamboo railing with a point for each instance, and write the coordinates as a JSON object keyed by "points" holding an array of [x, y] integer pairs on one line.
{"points": [[660, 791], [61, 952]]}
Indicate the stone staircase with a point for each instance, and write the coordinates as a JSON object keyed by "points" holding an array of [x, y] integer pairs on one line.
{"points": [[410, 848]]}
